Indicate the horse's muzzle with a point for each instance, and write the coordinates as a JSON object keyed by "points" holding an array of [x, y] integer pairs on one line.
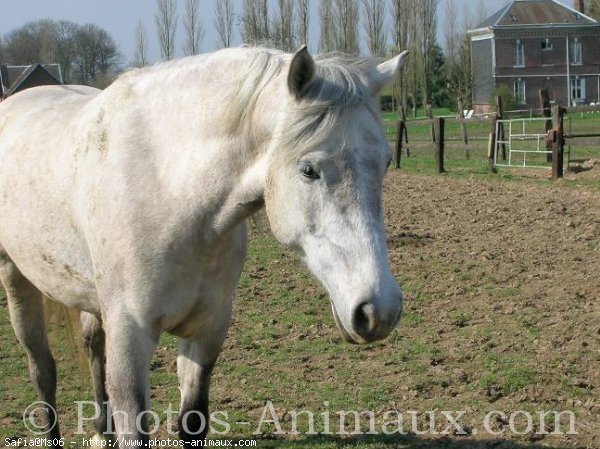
{"points": [[368, 323], [342, 329]]}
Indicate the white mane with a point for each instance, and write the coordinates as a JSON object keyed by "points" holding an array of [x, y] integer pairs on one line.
{"points": [[340, 83]]}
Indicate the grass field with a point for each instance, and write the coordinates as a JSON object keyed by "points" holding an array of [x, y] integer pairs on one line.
{"points": [[501, 275], [472, 160]]}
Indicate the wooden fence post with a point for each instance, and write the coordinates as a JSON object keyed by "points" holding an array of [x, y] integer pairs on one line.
{"points": [[439, 154], [403, 118], [463, 128], [500, 114], [492, 153], [399, 139], [429, 114], [558, 142], [546, 112]]}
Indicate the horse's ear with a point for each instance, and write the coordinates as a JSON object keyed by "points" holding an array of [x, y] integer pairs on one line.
{"points": [[302, 72], [384, 73]]}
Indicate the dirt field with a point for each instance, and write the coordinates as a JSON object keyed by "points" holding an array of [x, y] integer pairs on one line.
{"points": [[508, 276], [502, 314]]}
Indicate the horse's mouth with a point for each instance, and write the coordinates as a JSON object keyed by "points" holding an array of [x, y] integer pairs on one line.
{"points": [[347, 337]]}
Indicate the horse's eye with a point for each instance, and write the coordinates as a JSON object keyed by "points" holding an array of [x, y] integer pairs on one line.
{"points": [[308, 171]]}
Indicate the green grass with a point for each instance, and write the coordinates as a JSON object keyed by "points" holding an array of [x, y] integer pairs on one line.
{"points": [[457, 163]]}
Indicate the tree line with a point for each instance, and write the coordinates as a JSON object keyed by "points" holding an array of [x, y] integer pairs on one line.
{"points": [[87, 54], [433, 76], [436, 73]]}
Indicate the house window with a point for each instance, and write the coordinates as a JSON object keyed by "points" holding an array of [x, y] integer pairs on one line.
{"points": [[578, 90], [576, 56], [519, 54], [519, 91], [547, 44]]}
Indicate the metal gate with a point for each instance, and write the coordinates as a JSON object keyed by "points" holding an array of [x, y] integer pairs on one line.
{"points": [[525, 143]]}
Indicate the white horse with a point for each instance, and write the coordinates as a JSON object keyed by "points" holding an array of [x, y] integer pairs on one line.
{"points": [[129, 204]]}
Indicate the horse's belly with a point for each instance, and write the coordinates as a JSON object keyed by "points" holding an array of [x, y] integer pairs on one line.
{"points": [[59, 273]]}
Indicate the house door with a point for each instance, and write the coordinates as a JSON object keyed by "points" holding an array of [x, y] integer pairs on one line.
{"points": [[578, 90]]}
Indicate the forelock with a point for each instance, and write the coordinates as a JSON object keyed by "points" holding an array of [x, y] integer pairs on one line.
{"points": [[340, 83]]}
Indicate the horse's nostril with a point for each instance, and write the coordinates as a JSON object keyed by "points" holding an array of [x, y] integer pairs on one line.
{"points": [[364, 320]]}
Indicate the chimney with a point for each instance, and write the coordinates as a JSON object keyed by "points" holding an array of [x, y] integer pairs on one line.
{"points": [[580, 6]]}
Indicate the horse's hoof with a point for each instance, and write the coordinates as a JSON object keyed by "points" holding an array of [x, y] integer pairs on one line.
{"points": [[97, 441]]}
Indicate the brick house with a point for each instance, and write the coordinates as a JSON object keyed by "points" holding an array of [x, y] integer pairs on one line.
{"points": [[15, 78], [531, 45]]}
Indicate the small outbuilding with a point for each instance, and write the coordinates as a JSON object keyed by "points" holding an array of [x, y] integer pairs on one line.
{"points": [[15, 78]]}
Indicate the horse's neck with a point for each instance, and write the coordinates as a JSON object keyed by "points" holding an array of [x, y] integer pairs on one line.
{"points": [[210, 167], [216, 173], [219, 182]]}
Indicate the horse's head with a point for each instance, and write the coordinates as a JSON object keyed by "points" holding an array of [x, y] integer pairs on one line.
{"points": [[324, 188]]}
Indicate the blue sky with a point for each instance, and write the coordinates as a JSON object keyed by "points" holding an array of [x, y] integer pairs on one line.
{"points": [[119, 18]]}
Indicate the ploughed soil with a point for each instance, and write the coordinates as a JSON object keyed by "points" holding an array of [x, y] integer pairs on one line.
{"points": [[502, 314], [508, 276]]}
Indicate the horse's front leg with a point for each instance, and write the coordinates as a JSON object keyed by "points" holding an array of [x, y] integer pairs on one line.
{"points": [[195, 361], [129, 348]]}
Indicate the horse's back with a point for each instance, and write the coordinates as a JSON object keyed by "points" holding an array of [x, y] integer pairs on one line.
{"points": [[41, 97], [39, 138], [39, 108]]}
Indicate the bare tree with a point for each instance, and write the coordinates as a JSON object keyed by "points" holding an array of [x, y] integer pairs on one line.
{"points": [[458, 49], [64, 48], [453, 42], [194, 30], [166, 26], [593, 9], [346, 18], [283, 25], [223, 21], [96, 57], [256, 25], [405, 33], [427, 22], [29, 43], [375, 26], [327, 41], [400, 12], [477, 13], [451, 30], [303, 21], [141, 42]]}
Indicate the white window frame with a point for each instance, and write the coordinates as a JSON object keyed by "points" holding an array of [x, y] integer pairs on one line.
{"points": [[519, 91], [547, 45], [576, 52], [578, 89], [519, 54]]}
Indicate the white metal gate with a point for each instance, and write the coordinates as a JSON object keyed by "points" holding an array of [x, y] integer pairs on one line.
{"points": [[523, 138]]}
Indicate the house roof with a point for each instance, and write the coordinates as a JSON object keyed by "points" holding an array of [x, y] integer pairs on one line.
{"points": [[536, 12], [13, 76]]}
